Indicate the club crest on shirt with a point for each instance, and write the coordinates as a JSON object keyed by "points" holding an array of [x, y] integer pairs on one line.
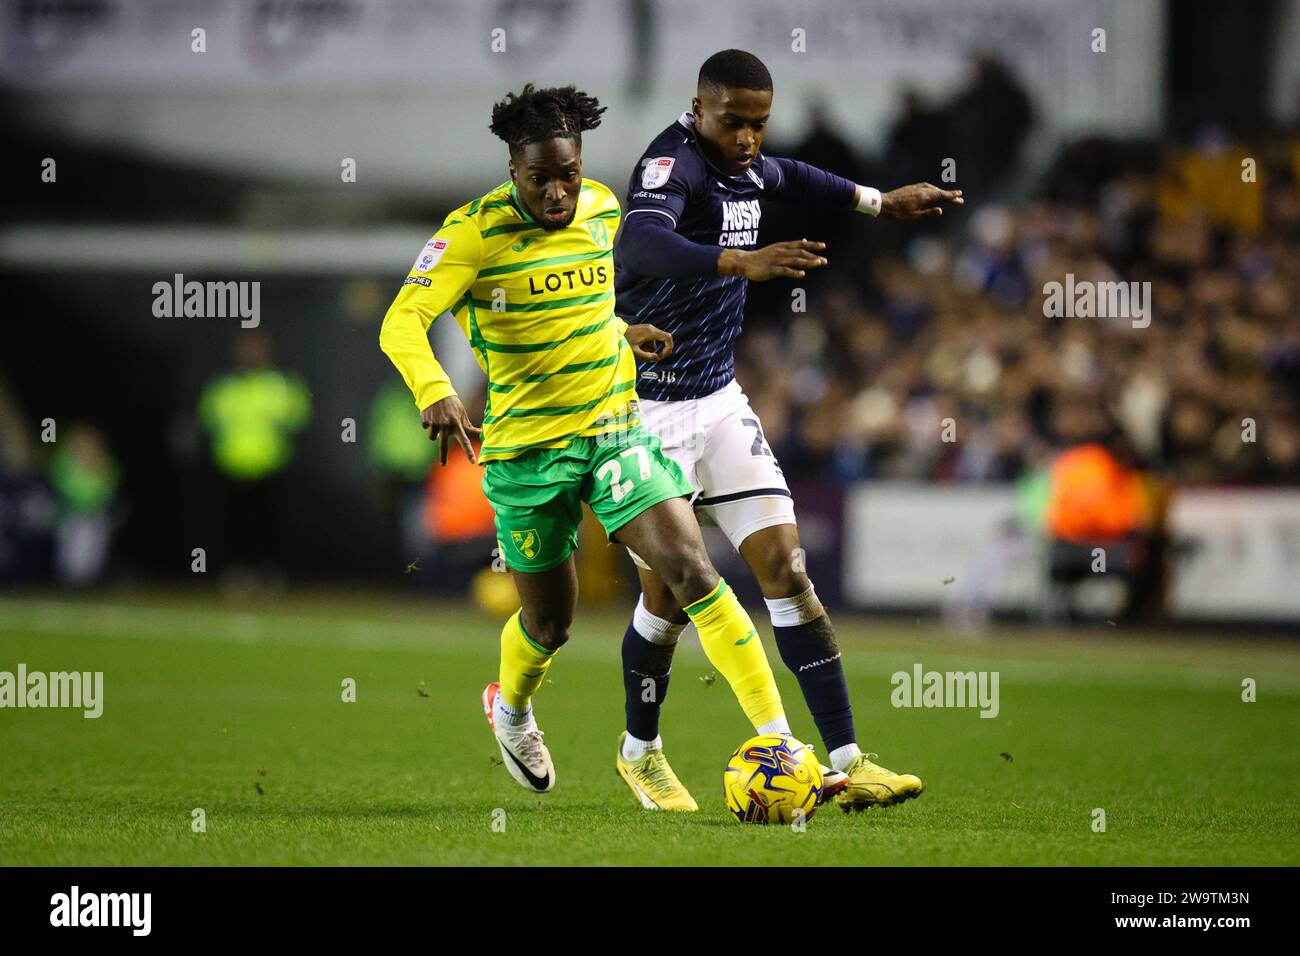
{"points": [[656, 172], [433, 250], [599, 234]]}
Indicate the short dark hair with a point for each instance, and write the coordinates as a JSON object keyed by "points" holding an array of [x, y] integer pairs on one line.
{"points": [[533, 115], [735, 68]]}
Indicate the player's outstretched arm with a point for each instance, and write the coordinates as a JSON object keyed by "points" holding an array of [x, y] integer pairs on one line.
{"points": [[917, 201], [780, 260], [441, 275], [649, 244], [790, 179]]}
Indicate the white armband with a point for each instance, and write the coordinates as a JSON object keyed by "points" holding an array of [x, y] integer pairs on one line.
{"points": [[869, 200]]}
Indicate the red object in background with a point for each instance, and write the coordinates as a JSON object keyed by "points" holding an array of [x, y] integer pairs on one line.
{"points": [[1094, 497], [455, 508]]}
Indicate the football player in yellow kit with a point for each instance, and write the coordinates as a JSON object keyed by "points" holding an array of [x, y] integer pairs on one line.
{"points": [[527, 272]]}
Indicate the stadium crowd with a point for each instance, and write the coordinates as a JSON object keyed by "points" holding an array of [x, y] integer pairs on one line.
{"points": [[923, 353], [953, 326]]}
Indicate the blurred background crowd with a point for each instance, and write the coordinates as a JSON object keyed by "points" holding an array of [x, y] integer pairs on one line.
{"points": [[138, 448], [953, 324]]}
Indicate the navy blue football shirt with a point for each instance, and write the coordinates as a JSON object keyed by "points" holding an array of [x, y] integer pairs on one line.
{"points": [[660, 280]]}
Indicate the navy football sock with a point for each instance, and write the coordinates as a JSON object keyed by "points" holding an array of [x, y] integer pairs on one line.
{"points": [[812, 653], [646, 668]]}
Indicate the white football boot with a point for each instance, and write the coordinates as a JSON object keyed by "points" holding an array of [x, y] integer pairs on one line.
{"points": [[522, 750], [834, 782]]}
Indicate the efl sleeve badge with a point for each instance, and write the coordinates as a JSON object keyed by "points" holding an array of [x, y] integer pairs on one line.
{"points": [[433, 250], [656, 172]]}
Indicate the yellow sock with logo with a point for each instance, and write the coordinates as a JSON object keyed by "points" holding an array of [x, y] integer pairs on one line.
{"points": [[731, 643], [523, 664]]}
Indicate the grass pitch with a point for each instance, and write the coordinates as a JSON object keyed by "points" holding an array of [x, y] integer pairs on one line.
{"points": [[238, 711]]}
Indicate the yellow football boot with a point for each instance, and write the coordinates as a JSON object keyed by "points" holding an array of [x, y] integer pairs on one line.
{"points": [[653, 781], [870, 785]]}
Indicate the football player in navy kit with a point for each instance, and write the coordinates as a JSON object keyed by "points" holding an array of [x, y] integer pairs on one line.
{"points": [[683, 260]]}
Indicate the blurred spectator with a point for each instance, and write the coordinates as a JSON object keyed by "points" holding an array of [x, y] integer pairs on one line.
{"points": [[918, 142], [251, 414], [28, 508], [1095, 497], [824, 146], [1101, 523], [85, 479], [457, 520], [990, 119], [398, 446], [401, 453]]}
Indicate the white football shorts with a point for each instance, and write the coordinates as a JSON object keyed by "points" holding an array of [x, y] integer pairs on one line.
{"points": [[719, 443]]}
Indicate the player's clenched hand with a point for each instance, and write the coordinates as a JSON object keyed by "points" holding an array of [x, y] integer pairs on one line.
{"points": [[780, 260], [446, 420], [645, 340], [918, 201]]}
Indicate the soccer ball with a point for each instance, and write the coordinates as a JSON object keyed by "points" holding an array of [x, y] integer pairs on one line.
{"points": [[771, 777]]}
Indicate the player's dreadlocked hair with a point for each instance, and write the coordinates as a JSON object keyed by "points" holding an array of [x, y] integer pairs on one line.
{"points": [[735, 68], [533, 115]]}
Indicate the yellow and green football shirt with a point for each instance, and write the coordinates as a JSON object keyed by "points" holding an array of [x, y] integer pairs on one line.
{"points": [[538, 309]]}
